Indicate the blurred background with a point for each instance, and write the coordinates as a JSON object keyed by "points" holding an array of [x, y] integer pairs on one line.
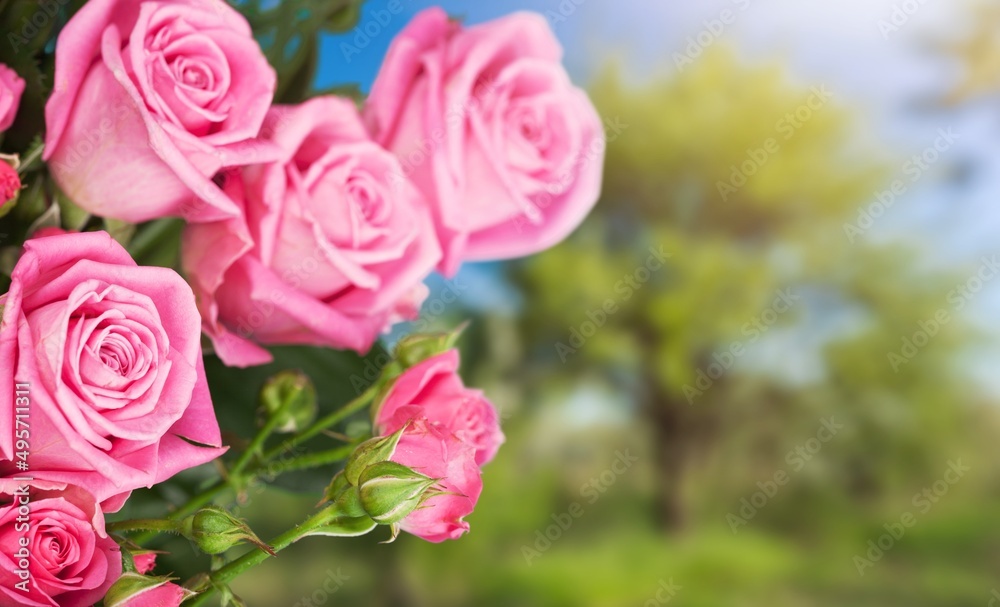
{"points": [[764, 371]]}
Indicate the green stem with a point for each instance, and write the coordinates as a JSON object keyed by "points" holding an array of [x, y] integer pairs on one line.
{"points": [[322, 424], [272, 468], [145, 524], [257, 556], [190, 507], [254, 447], [30, 158], [307, 461], [147, 238]]}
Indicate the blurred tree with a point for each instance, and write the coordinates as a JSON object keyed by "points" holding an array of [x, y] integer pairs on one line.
{"points": [[827, 355], [761, 195], [978, 53]]}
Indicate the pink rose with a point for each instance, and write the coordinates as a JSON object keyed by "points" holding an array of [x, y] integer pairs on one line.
{"points": [[151, 100], [432, 451], [11, 87], [166, 594], [330, 249], [135, 590], [488, 125], [144, 561], [71, 561], [433, 390], [105, 356], [450, 432], [10, 184]]}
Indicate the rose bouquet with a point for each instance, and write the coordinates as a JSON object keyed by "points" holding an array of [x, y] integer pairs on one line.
{"points": [[174, 194]]}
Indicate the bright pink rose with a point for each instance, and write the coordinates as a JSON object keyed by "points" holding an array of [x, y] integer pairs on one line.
{"points": [[433, 390], [11, 87], [330, 249], [106, 357], [488, 125], [138, 591], [450, 432], [144, 561], [166, 594], [10, 183], [151, 100], [71, 560]]}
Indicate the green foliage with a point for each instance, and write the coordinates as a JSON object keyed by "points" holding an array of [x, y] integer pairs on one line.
{"points": [[289, 30], [827, 355]]}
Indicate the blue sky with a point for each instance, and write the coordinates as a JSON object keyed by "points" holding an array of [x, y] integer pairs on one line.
{"points": [[338, 65]]}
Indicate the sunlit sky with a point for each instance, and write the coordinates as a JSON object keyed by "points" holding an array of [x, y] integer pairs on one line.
{"points": [[893, 75]]}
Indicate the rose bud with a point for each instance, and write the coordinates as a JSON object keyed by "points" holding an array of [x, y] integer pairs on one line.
{"points": [[135, 590], [390, 491], [416, 348], [290, 397], [432, 451], [215, 531], [433, 390], [144, 560], [10, 187], [372, 451]]}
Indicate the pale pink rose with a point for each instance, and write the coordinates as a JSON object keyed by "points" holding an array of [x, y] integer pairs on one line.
{"points": [[11, 88], [488, 125], [450, 432], [106, 357], [330, 249], [71, 560], [151, 100], [433, 390]]}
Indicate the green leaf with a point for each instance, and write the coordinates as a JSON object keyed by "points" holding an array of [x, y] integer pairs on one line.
{"points": [[346, 527], [289, 32], [345, 18]]}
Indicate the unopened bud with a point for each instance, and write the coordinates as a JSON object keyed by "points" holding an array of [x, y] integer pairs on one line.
{"points": [[134, 590], [390, 492], [372, 451], [144, 560], [290, 397], [215, 531], [10, 187], [414, 349]]}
